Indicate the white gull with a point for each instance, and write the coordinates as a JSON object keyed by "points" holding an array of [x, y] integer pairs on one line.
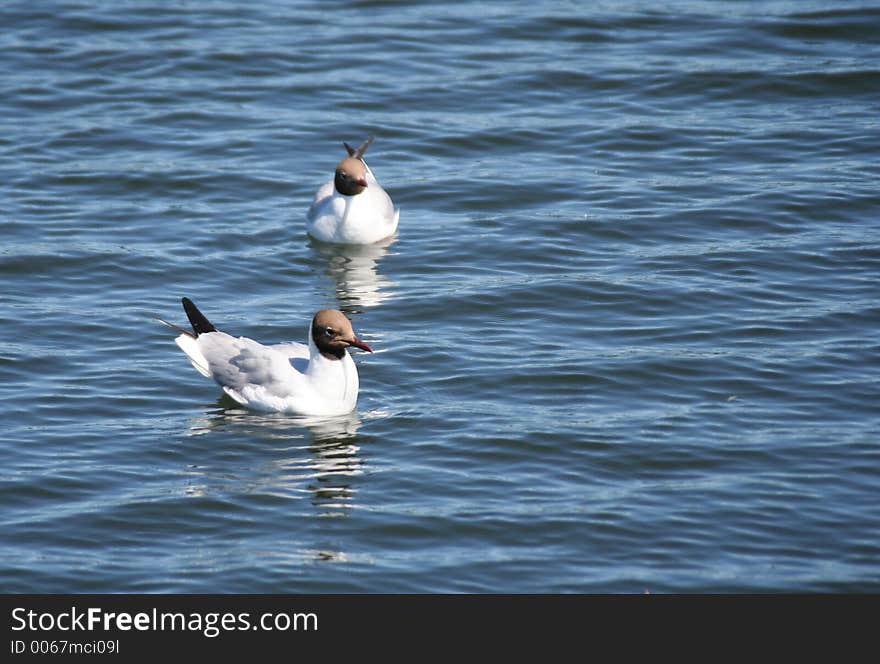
{"points": [[352, 208], [318, 378]]}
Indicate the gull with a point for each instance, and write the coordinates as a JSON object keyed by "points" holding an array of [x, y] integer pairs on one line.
{"points": [[318, 378], [352, 208]]}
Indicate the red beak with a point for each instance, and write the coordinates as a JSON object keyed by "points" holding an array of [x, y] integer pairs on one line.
{"points": [[362, 182], [357, 343]]}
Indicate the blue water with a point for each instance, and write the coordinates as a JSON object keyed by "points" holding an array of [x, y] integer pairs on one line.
{"points": [[626, 338]]}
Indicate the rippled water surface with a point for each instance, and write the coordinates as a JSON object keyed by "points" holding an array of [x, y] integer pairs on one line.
{"points": [[627, 335]]}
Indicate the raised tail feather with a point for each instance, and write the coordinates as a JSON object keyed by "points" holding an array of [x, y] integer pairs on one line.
{"points": [[174, 327], [187, 341]]}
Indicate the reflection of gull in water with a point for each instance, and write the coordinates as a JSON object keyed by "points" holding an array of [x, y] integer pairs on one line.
{"points": [[329, 469], [354, 270], [274, 425], [319, 457]]}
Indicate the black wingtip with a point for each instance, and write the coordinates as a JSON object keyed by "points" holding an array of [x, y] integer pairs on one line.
{"points": [[359, 153], [197, 319]]}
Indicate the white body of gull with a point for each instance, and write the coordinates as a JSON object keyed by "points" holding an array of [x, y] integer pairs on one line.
{"points": [[352, 208], [318, 378]]}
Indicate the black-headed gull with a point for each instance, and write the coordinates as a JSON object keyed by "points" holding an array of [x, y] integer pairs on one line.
{"points": [[315, 379], [352, 208]]}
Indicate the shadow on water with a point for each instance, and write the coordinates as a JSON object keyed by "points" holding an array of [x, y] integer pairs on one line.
{"points": [[354, 270], [300, 457]]}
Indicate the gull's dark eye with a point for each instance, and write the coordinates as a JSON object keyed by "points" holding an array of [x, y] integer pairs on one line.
{"points": [[328, 332]]}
